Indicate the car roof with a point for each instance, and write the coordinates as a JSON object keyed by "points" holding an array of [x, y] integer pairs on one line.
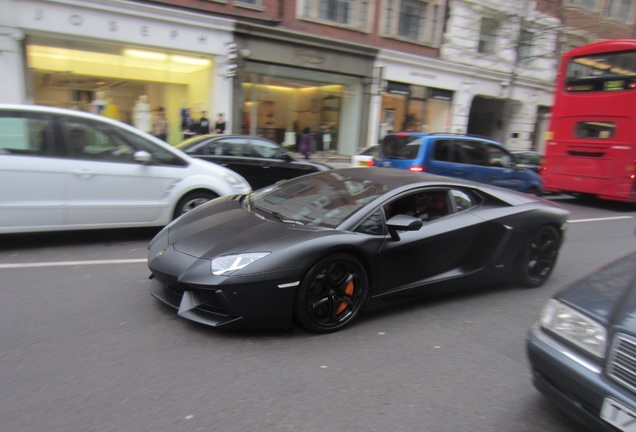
{"points": [[396, 178], [444, 135], [191, 142]]}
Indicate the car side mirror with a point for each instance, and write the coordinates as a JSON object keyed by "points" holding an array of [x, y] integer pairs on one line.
{"points": [[142, 157], [286, 157], [403, 223]]}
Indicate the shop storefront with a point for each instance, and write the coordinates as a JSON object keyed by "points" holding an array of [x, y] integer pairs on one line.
{"points": [[122, 61], [415, 108], [286, 86]]}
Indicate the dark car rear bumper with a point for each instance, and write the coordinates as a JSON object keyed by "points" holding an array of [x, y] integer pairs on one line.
{"points": [[577, 385]]}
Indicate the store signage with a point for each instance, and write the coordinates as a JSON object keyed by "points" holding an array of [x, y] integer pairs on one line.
{"points": [[120, 26]]}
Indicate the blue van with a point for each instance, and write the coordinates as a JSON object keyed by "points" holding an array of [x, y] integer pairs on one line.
{"points": [[462, 156]]}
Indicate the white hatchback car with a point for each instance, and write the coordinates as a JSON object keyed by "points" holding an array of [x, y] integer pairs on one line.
{"points": [[63, 170]]}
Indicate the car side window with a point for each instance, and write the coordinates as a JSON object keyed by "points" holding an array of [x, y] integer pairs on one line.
{"points": [[498, 157], [24, 134], [426, 204], [236, 147], [472, 153], [373, 225], [443, 151], [265, 149], [90, 140], [462, 200]]}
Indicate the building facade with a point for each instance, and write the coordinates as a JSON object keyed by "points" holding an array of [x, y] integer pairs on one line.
{"points": [[274, 68], [110, 56]]}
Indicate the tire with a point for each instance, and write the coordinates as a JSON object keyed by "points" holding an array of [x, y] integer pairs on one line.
{"points": [[191, 201], [332, 294], [538, 258]]}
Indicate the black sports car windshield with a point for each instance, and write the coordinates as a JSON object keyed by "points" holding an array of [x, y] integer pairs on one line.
{"points": [[325, 199]]}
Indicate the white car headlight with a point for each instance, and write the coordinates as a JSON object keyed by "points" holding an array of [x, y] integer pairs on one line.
{"points": [[230, 263], [235, 182], [574, 327]]}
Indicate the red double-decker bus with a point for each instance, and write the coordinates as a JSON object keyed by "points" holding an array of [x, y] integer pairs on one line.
{"points": [[591, 143]]}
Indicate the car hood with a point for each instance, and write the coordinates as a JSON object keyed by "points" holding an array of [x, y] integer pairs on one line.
{"points": [[608, 295], [223, 227]]}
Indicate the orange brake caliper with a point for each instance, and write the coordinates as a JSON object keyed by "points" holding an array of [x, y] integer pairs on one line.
{"points": [[348, 294]]}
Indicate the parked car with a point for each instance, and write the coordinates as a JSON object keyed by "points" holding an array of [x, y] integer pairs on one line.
{"points": [[317, 249], [260, 161], [63, 169], [531, 160], [582, 351], [460, 156], [365, 157]]}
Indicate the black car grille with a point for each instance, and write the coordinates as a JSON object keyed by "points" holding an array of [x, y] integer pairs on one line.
{"points": [[211, 302], [621, 366]]}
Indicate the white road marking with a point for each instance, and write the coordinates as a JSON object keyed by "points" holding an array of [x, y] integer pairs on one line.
{"points": [[73, 263], [144, 260], [601, 219]]}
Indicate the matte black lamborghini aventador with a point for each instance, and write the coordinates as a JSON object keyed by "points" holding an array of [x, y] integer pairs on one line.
{"points": [[317, 249]]}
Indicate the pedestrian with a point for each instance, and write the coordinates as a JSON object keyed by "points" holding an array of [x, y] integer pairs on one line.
{"points": [[204, 124], [219, 126], [320, 141], [188, 126], [160, 125], [305, 143]]}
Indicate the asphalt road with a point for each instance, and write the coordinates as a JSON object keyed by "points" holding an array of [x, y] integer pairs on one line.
{"points": [[84, 347]]}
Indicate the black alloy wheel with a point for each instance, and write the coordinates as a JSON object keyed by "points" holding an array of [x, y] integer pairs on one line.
{"points": [[332, 294], [538, 257]]}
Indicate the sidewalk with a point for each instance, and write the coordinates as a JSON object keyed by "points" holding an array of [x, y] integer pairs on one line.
{"points": [[329, 159]]}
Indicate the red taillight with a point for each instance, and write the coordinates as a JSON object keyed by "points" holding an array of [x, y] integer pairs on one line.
{"points": [[370, 163], [417, 169], [401, 134]]}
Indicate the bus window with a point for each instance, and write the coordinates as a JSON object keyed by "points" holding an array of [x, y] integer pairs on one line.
{"points": [[601, 130]]}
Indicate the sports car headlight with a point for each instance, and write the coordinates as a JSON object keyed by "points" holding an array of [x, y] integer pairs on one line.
{"points": [[574, 327], [230, 263]]}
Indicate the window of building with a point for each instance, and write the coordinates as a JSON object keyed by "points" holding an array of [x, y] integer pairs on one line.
{"points": [[620, 10], [587, 4], [525, 46], [255, 3], [416, 20], [488, 35], [351, 13]]}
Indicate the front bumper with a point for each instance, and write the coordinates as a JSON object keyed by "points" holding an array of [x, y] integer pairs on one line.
{"points": [[186, 283], [577, 385]]}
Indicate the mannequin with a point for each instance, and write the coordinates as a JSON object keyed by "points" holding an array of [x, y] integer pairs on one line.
{"points": [[99, 105], [142, 119]]}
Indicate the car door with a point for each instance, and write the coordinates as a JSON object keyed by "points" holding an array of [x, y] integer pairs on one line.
{"points": [[235, 153], [431, 259], [33, 173], [275, 166], [442, 158], [106, 186], [501, 170]]}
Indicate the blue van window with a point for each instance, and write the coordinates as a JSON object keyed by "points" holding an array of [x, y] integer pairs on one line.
{"points": [[472, 153], [443, 151], [400, 146]]}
